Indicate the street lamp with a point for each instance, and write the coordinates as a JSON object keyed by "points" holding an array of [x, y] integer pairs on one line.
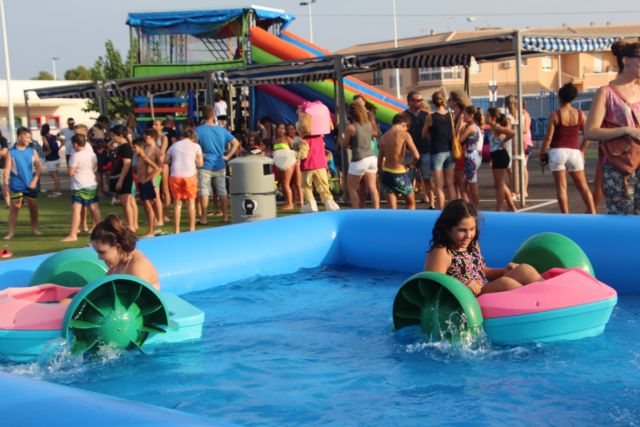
{"points": [[7, 68], [395, 45], [309, 3], [474, 19], [53, 61]]}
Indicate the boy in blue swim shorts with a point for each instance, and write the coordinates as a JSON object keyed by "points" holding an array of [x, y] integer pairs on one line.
{"points": [[396, 145]]}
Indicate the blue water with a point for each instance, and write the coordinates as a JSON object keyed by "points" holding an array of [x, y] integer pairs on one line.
{"points": [[316, 347]]}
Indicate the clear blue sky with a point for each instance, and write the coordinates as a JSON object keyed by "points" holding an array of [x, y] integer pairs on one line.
{"points": [[75, 30]]}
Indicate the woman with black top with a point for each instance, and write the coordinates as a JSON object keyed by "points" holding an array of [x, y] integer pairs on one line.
{"points": [[52, 158], [440, 149], [121, 175]]}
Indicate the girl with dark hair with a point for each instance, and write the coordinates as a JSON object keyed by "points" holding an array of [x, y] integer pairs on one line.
{"points": [[454, 251], [52, 157], [613, 120], [472, 140], [121, 173], [500, 134], [115, 245], [566, 153]]}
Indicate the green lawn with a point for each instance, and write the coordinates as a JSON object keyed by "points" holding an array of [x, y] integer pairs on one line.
{"points": [[55, 216]]}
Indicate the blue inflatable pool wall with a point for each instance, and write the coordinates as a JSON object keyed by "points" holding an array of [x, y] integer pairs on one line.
{"points": [[384, 239]]}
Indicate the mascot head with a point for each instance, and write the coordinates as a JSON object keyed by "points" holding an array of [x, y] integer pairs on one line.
{"points": [[313, 119]]}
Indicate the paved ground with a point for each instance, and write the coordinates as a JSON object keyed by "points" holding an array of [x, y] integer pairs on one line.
{"points": [[542, 196]]}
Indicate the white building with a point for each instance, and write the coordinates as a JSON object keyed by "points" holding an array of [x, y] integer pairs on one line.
{"points": [[54, 111]]}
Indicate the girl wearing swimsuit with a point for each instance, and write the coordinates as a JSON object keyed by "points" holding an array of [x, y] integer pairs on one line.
{"points": [[116, 246], [455, 251]]}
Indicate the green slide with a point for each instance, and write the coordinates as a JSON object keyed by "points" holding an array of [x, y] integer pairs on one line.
{"points": [[436, 302], [119, 310]]}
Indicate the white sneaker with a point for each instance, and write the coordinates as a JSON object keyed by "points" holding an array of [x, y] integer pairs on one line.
{"points": [[331, 205], [310, 206]]}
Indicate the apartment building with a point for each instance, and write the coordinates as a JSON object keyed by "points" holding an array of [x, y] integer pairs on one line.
{"points": [[540, 74]]}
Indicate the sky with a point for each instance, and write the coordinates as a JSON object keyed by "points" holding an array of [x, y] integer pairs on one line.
{"points": [[75, 30]]}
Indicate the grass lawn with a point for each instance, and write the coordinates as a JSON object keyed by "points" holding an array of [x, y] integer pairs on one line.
{"points": [[55, 217]]}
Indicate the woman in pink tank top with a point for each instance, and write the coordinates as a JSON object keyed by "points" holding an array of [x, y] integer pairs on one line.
{"points": [[567, 153], [612, 116]]}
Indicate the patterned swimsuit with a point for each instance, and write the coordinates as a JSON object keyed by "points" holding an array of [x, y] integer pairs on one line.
{"points": [[468, 265]]}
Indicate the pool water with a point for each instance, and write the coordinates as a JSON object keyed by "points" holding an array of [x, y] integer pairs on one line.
{"points": [[317, 347]]}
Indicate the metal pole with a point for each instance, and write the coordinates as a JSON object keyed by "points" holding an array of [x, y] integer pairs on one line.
{"points": [[559, 71], [26, 108], [310, 23], [55, 72], [395, 45], [342, 120], [518, 155], [7, 68]]}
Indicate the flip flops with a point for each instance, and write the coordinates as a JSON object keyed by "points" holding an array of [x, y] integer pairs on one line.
{"points": [[5, 253]]}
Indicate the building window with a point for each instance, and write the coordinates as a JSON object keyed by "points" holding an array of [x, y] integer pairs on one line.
{"points": [[53, 122], [35, 122], [443, 73], [597, 63], [377, 78], [392, 79], [547, 63]]}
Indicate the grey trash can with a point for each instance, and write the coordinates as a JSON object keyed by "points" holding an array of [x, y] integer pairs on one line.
{"points": [[252, 189]]}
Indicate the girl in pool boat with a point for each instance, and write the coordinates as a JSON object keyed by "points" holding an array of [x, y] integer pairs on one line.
{"points": [[116, 246], [455, 251]]}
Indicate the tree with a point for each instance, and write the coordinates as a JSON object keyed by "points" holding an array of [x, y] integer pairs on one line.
{"points": [[43, 75], [112, 67], [79, 73]]}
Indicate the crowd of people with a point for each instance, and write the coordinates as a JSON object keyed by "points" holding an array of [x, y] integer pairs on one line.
{"points": [[166, 166]]}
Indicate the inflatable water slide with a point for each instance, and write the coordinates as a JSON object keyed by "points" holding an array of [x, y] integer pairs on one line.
{"points": [[267, 48]]}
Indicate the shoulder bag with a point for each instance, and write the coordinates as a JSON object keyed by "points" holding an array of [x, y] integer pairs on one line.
{"points": [[623, 153]]}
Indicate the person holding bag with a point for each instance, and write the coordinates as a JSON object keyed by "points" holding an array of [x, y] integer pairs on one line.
{"points": [[613, 120]]}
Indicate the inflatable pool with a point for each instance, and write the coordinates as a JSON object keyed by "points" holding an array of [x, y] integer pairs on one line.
{"points": [[393, 240]]}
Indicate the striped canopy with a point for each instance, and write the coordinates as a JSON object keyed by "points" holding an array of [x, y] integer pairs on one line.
{"points": [[565, 44], [130, 88], [84, 90]]}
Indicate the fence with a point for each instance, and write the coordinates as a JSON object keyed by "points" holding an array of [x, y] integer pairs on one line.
{"points": [[539, 107]]}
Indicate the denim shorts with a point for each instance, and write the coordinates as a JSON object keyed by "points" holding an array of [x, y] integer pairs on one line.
{"points": [[442, 161], [424, 163], [219, 180]]}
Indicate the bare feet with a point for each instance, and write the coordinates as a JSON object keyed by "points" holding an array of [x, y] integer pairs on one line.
{"points": [[288, 208], [69, 239], [8, 237], [36, 232], [147, 235]]}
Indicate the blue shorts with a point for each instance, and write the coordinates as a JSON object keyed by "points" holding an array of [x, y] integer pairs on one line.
{"points": [[147, 191], [424, 164], [442, 161], [29, 194], [396, 182]]}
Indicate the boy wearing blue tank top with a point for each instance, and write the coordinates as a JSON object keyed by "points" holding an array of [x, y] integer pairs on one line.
{"points": [[20, 179]]}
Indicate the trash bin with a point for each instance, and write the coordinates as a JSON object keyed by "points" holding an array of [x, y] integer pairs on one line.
{"points": [[252, 189]]}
